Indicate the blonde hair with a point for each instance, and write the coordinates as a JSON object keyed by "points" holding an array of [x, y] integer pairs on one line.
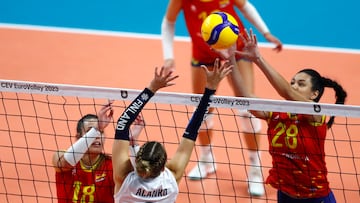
{"points": [[150, 160]]}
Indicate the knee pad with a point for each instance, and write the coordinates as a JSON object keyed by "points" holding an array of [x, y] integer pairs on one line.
{"points": [[249, 123]]}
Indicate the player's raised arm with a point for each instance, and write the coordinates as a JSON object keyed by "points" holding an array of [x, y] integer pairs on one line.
{"points": [[121, 160]]}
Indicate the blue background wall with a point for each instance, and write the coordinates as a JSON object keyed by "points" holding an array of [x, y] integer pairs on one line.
{"points": [[324, 23]]}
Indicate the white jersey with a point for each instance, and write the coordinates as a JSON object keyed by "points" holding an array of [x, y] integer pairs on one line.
{"points": [[134, 189]]}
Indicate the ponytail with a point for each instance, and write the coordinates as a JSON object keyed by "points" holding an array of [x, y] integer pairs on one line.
{"points": [[319, 83], [340, 95]]}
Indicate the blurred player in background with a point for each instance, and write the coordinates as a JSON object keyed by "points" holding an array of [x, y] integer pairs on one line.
{"points": [[195, 11]]}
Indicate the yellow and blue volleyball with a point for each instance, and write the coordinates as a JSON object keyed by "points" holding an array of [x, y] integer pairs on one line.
{"points": [[220, 30]]}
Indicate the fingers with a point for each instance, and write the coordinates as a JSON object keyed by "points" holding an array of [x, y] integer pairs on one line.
{"points": [[156, 72], [169, 80], [250, 35], [111, 112], [205, 68], [221, 52], [226, 69], [245, 35], [161, 70], [248, 38], [244, 54], [217, 63], [278, 48], [240, 53], [139, 120], [107, 108], [220, 70], [163, 78], [254, 38], [105, 115], [278, 44], [167, 75], [243, 39]]}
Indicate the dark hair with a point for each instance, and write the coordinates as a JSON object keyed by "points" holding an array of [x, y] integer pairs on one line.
{"points": [[150, 160], [80, 124], [319, 83]]}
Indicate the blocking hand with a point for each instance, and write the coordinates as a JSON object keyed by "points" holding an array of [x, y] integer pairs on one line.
{"points": [[105, 115]]}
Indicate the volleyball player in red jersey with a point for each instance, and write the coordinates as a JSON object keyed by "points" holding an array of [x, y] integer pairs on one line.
{"points": [[195, 11], [296, 141], [84, 173]]}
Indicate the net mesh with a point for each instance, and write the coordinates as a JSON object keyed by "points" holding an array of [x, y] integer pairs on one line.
{"points": [[37, 119]]}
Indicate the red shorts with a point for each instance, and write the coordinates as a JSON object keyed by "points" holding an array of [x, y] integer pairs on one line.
{"points": [[202, 54]]}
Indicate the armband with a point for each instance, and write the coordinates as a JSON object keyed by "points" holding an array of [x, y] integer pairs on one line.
{"points": [[252, 15], [130, 114], [193, 127], [167, 36], [76, 151]]}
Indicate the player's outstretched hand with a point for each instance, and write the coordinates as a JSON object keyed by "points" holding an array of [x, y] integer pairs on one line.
{"points": [[271, 38], [169, 66], [250, 50], [162, 79], [226, 54], [105, 115], [219, 72]]}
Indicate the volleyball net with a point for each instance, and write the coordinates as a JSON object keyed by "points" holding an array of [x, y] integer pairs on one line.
{"points": [[37, 119]]}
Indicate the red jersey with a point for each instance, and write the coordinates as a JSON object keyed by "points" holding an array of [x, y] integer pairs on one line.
{"points": [[83, 185], [195, 12], [298, 156]]}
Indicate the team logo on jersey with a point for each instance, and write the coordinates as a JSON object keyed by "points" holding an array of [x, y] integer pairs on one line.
{"points": [[73, 171], [100, 177], [224, 3]]}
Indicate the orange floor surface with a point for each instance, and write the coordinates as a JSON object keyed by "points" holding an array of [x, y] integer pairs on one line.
{"points": [[113, 61]]}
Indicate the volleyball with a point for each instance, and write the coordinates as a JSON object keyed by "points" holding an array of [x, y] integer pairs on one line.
{"points": [[220, 30]]}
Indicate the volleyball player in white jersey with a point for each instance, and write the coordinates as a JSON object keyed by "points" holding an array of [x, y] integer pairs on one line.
{"points": [[155, 179]]}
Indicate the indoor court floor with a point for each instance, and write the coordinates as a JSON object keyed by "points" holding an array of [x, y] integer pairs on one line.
{"points": [[128, 62]]}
